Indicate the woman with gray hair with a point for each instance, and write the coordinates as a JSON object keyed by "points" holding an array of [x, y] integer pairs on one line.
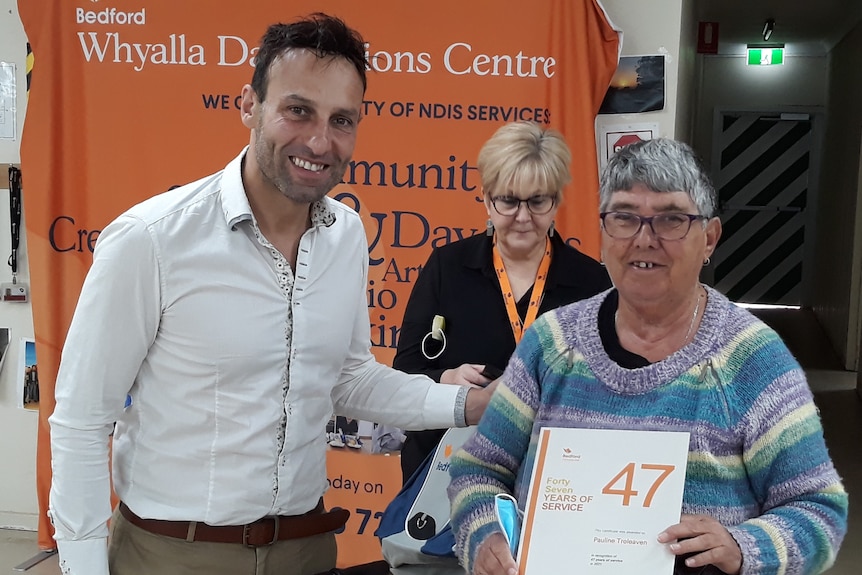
{"points": [[489, 287], [662, 352]]}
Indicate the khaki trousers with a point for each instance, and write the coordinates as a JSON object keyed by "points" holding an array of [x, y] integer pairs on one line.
{"points": [[134, 551]]}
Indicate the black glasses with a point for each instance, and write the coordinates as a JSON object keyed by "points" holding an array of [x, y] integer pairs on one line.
{"points": [[537, 205], [625, 225]]}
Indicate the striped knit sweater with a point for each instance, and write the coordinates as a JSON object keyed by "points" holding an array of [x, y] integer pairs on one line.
{"points": [[757, 460]]}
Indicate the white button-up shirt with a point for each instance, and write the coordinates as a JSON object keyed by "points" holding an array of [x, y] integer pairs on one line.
{"points": [[233, 370]]}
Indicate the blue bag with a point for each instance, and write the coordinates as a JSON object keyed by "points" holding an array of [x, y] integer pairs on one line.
{"points": [[414, 529]]}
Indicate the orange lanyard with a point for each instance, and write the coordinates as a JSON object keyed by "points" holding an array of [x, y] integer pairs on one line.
{"points": [[518, 326]]}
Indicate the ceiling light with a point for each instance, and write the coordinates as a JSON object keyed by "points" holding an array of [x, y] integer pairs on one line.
{"points": [[768, 27]]}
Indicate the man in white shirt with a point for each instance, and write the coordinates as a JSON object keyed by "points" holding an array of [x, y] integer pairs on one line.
{"points": [[231, 313]]}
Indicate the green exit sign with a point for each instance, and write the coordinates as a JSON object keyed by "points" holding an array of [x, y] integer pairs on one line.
{"points": [[765, 56]]}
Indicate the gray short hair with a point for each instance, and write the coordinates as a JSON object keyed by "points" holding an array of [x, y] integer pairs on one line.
{"points": [[524, 153], [662, 165]]}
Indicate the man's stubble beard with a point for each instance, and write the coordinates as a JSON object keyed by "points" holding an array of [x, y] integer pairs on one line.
{"points": [[277, 174]]}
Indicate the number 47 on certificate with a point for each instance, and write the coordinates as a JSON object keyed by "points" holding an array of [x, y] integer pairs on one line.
{"points": [[599, 498]]}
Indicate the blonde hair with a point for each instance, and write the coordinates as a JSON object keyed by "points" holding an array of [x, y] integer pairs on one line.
{"points": [[525, 154]]}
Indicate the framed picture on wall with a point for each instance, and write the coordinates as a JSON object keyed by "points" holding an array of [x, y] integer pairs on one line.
{"points": [[28, 375], [5, 334], [637, 86]]}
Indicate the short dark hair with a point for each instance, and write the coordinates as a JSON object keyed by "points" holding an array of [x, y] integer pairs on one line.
{"points": [[323, 35]]}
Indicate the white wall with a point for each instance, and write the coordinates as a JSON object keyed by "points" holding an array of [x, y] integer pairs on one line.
{"points": [[650, 28], [18, 506], [687, 75], [839, 226]]}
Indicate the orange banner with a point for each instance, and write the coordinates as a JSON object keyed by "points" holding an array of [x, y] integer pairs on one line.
{"points": [[130, 97], [364, 484]]}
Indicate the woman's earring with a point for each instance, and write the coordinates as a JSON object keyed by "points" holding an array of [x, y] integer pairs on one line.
{"points": [[706, 262], [489, 228], [551, 230]]}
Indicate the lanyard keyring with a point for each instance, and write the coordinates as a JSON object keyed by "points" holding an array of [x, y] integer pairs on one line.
{"points": [[438, 324]]}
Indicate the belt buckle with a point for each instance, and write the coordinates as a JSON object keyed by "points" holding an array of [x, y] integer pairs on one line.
{"points": [[246, 529]]}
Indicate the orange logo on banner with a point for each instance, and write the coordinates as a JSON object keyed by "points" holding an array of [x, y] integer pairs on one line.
{"points": [[131, 97]]}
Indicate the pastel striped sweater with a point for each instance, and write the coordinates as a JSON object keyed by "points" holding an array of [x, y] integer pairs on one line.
{"points": [[757, 460]]}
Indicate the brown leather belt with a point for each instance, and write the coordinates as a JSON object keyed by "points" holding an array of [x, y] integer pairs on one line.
{"points": [[265, 531]]}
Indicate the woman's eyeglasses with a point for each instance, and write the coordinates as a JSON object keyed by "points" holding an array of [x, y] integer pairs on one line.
{"points": [[537, 205], [671, 226]]}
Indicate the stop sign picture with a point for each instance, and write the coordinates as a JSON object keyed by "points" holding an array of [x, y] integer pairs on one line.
{"points": [[614, 137], [625, 140]]}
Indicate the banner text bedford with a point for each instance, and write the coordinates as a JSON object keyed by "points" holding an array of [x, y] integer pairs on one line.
{"points": [[458, 59], [110, 16]]}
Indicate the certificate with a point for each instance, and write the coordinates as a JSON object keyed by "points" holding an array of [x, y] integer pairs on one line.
{"points": [[598, 500]]}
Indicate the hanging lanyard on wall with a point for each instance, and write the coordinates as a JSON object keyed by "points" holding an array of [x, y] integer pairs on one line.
{"points": [[15, 213], [518, 326]]}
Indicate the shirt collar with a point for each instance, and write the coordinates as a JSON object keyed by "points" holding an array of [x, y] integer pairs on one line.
{"points": [[235, 202], [321, 214]]}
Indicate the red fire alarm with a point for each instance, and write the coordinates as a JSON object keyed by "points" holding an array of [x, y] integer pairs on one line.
{"points": [[707, 37]]}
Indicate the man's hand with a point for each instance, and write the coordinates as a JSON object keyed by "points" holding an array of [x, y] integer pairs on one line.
{"points": [[706, 540], [494, 557], [477, 401]]}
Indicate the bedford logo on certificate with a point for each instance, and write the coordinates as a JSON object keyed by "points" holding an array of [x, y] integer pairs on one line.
{"points": [[603, 496]]}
